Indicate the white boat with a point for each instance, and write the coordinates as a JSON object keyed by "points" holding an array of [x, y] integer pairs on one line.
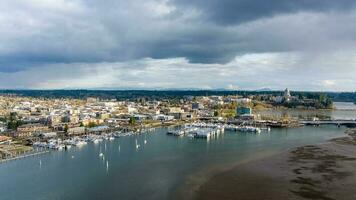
{"points": [[249, 129], [97, 140], [80, 143], [191, 135], [137, 145]]}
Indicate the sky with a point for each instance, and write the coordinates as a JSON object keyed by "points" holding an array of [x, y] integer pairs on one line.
{"points": [[165, 44]]}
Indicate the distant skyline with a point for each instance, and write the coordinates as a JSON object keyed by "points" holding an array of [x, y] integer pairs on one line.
{"points": [[305, 45]]}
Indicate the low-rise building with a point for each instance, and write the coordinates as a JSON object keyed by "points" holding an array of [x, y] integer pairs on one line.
{"points": [[182, 116], [98, 129], [76, 130], [48, 135], [5, 139], [243, 111], [27, 130], [162, 117]]}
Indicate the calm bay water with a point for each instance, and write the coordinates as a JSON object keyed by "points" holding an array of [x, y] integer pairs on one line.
{"points": [[343, 110], [154, 171]]}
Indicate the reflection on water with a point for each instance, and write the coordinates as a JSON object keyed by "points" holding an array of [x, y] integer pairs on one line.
{"points": [[345, 106], [343, 110], [107, 166]]}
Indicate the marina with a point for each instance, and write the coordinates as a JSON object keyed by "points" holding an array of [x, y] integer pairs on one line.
{"points": [[211, 130], [191, 130], [78, 141], [46, 146]]}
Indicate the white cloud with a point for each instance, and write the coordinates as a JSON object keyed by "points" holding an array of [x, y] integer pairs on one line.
{"points": [[250, 71]]}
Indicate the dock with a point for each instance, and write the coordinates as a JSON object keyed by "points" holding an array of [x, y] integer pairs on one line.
{"points": [[24, 156]]}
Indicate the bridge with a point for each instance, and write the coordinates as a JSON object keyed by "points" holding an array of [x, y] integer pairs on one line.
{"points": [[336, 122]]}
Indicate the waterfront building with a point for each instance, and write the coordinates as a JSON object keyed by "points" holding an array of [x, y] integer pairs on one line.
{"points": [[87, 121], [243, 111], [140, 117], [162, 117], [76, 131], [98, 129], [27, 130], [182, 115]]}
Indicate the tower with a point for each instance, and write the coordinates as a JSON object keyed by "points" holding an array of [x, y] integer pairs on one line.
{"points": [[286, 94]]}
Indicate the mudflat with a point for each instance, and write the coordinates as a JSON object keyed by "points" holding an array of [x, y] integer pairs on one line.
{"points": [[322, 171]]}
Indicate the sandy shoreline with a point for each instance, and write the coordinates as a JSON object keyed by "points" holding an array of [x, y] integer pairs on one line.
{"points": [[323, 171]]}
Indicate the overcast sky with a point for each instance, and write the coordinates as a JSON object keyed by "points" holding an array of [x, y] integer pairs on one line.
{"points": [[147, 44]]}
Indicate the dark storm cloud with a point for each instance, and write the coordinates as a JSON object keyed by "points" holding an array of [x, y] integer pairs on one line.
{"points": [[131, 39], [96, 31], [228, 12]]}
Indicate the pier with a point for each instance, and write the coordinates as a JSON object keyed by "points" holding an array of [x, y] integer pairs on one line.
{"points": [[24, 156], [348, 123]]}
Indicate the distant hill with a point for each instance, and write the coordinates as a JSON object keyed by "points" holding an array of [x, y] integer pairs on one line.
{"points": [[343, 96], [264, 90], [156, 94]]}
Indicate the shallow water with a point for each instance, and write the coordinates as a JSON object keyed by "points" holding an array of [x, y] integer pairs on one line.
{"points": [[153, 171]]}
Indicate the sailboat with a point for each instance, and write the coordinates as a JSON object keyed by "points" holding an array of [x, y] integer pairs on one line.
{"points": [[137, 145]]}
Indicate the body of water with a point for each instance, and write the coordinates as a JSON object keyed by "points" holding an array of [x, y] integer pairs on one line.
{"points": [[153, 171], [342, 110]]}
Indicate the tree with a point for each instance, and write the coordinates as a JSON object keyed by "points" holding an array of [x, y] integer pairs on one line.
{"points": [[329, 103], [66, 128], [13, 124], [92, 124], [132, 120]]}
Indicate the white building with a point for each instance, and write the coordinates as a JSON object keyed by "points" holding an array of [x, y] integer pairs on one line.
{"points": [[287, 95], [162, 117]]}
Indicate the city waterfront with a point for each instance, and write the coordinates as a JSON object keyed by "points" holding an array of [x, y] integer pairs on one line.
{"points": [[159, 169], [177, 100]]}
